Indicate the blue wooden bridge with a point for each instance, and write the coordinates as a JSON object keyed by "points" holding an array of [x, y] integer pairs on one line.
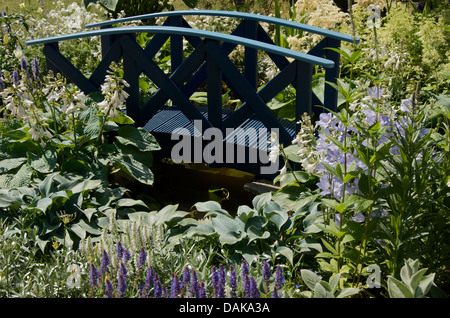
{"points": [[208, 63]]}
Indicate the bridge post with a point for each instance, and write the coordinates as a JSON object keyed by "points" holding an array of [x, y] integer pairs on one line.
{"points": [[331, 74], [50, 66], [214, 89], [106, 41], [251, 55], [131, 76], [176, 43]]}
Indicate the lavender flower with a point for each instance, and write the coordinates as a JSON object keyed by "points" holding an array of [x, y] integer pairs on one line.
{"points": [[123, 270], [233, 282], [254, 291], [109, 289], [120, 251], [244, 269], [127, 255], [202, 290], [186, 275], [175, 287], [275, 292], [95, 274], [246, 288], [215, 280], [122, 285], [35, 70], [142, 257], [194, 289], [266, 270], [157, 292], [105, 262], [279, 279], [222, 275], [15, 78], [266, 275], [143, 289], [24, 66]]}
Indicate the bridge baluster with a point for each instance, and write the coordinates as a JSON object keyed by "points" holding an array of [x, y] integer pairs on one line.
{"points": [[214, 90]]}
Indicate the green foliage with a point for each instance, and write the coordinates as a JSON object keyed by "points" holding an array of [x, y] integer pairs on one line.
{"points": [[323, 289], [137, 7], [57, 173], [267, 230], [414, 283]]}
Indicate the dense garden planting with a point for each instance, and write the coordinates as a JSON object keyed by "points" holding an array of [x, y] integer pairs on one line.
{"points": [[365, 213]]}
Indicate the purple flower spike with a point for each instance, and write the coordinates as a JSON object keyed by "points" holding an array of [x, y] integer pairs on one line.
{"points": [[95, 274], [142, 257], [279, 280], [105, 262], [233, 282], [120, 251], [194, 290], [254, 291], [122, 286], [109, 289]]}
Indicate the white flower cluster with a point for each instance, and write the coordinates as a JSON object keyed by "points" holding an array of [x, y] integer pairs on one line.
{"points": [[366, 3], [59, 94], [306, 140], [19, 102], [114, 93], [320, 13], [64, 19]]}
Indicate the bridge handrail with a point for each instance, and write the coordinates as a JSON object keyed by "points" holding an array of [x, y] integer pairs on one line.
{"points": [[270, 48], [232, 14]]}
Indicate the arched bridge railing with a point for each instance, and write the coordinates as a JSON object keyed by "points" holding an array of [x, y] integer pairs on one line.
{"points": [[209, 62]]}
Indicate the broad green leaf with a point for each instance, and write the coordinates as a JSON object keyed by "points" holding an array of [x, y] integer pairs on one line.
{"points": [[275, 214], [255, 233], [135, 169], [92, 227], [308, 244], [416, 278], [425, 285], [169, 215], [286, 252], [41, 243], [78, 230], [123, 119], [89, 213], [334, 281], [45, 162], [291, 152], [210, 206], [43, 204], [347, 292], [228, 229], [86, 186], [137, 137], [21, 178], [45, 187], [7, 165], [397, 289], [260, 200], [310, 278], [200, 229], [130, 203], [322, 290]]}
